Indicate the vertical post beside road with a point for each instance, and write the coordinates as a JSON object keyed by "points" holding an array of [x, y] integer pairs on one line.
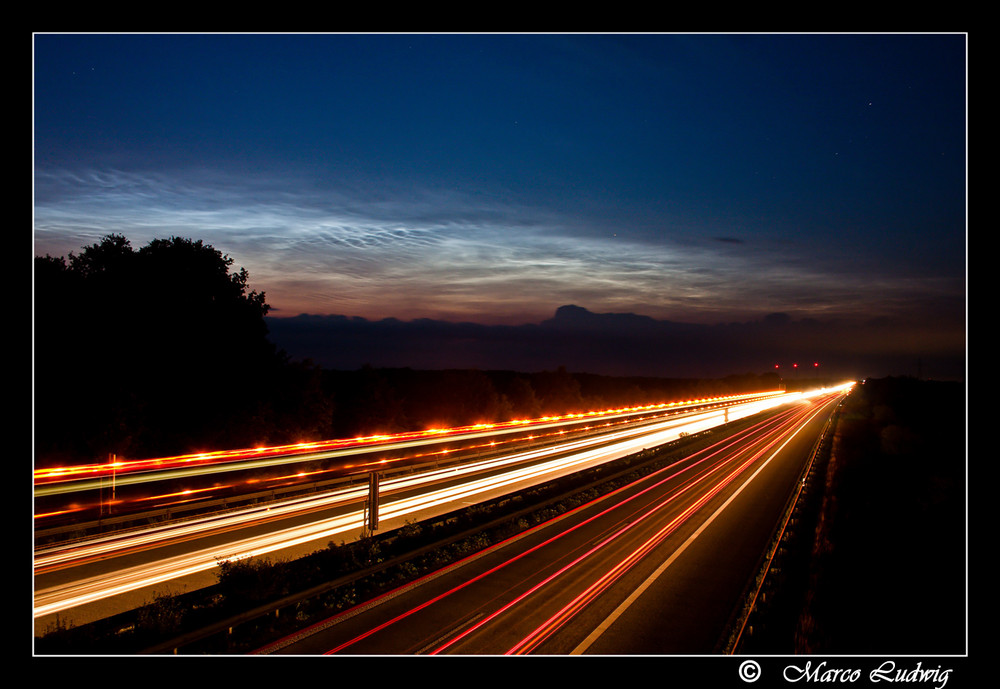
{"points": [[371, 505]]}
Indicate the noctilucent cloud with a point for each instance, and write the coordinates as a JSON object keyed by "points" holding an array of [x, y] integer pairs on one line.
{"points": [[493, 178]]}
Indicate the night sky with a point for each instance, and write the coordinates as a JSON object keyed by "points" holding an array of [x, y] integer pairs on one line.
{"points": [[810, 189]]}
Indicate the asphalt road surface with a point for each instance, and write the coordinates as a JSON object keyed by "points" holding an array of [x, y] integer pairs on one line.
{"points": [[658, 567]]}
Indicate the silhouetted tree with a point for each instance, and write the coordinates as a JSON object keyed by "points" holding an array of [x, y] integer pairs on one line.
{"points": [[144, 352]]}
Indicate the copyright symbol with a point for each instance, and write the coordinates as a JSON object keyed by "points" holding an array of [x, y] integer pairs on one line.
{"points": [[749, 671]]}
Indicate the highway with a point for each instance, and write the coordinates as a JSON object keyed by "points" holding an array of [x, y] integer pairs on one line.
{"points": [[96, 577], [655, 568]]}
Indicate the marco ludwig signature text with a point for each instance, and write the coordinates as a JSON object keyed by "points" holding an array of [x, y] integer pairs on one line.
{"points": [[888, 671]]}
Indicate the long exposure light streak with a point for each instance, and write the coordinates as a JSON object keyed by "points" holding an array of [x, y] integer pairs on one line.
{"points": [[643, 436], [60, 598], [559, 535], [550, 626], [100, 546], [65, 597], [58, 480], [710, 454], [562, 616]]}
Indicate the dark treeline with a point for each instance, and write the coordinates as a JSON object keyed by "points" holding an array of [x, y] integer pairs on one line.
{"points": [[370, 401], [164, 350]]}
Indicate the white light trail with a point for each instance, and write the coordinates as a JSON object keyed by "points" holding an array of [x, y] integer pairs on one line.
{"points": [[623, 442]]}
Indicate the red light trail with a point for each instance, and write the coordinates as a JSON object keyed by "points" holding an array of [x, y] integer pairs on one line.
{"points": [[704, 477]]}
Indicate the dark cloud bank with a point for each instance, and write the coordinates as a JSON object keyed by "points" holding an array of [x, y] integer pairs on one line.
{"points": [[626, 344]]}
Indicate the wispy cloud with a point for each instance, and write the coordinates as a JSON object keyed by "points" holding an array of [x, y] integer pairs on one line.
{"points": [[380, 251]]}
